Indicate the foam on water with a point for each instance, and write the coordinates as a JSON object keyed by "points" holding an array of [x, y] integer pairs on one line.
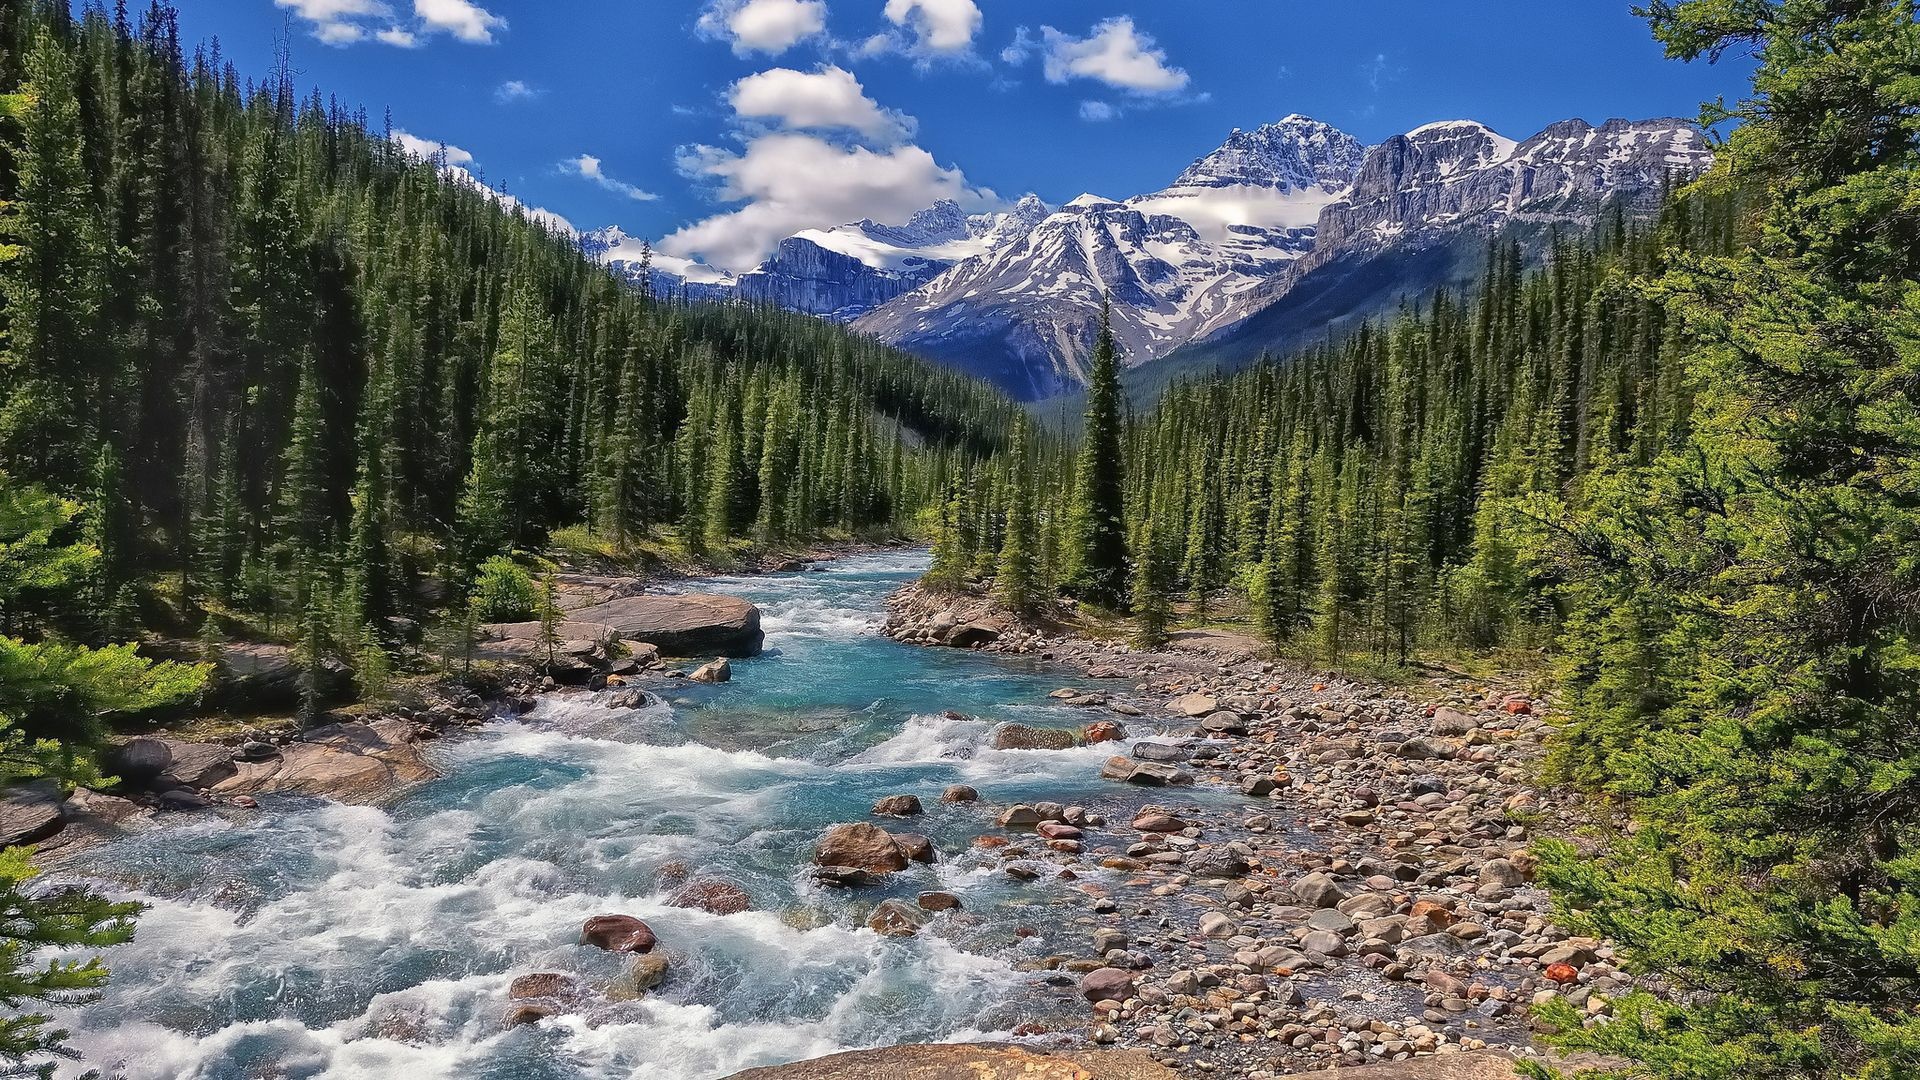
{"points": [[327, 941]]}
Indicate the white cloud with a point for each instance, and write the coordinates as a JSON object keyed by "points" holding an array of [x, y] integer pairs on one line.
{"points": [[1115, 54], [939, 26], [1098, 111], [827, 98], [427, 148], [1022, 46], [591, 168], [344, 22], [792, 181], [515, 90], [768, 26], [462, 18]]}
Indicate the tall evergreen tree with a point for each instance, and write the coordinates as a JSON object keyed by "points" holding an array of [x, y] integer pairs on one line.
{"points": [[1097, 543]]}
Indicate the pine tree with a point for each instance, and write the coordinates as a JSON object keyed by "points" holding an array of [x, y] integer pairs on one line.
{"points": [[1767, 751], [1016, 576], [1097, 547], [1152, 604]]}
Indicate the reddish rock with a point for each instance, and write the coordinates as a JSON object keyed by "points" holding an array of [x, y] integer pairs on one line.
{"points": [[897, 806], [862, 846], [544, 984], [1107, 984], [1102, 731], [939, 901], [713, 896], [1562, 973], [618, 933], [1053, 830], [1517, 706], [916, 847]]}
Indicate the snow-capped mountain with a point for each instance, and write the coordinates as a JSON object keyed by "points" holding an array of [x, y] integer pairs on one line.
{"points": [[1249, 224], [1280, 235], [1173, 262], [848, 270], [1422, 203]]}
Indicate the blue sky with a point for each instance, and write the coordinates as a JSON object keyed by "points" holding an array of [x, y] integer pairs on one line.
{"points": [[716, 126]]}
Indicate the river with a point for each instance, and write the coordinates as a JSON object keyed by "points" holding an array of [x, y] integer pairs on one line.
{"points": [[311, 939]]}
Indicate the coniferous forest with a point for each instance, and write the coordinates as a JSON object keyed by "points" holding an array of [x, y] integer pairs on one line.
{"points": [[266, 375]]}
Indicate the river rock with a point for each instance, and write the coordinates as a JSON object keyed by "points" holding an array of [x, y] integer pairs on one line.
{"points": [[1012, 736], [712, 895], [897, 806], [1149, 773], [916, 847], [648, 972], [618, 933], [1107, 984], [939, 901], [959, 793], [1102, 731], [717, 672], [352, 762], [1166, 753], [137, 762], [197, 765], [30, 812], [860, 846], [684, 625], [544, 984], [897, 918], [1320, 891], [1193, 705]]}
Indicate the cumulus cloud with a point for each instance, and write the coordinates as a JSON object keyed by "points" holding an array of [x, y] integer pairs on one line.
{"points": [[940, 27], [588, 167], [515, 90], [1115, 53], [827, 98], [1098, 111], [344, 22], [790, 181], [463, 19], [768, 26]]}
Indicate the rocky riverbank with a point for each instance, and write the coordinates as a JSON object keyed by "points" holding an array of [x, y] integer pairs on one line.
{"points": [[1362, 895], [617, 630]]}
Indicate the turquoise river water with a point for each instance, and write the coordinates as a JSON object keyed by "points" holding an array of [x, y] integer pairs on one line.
{"points": [[311, 939]]}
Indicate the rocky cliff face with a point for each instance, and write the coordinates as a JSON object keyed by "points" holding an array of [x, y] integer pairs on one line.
{"points": [[803, 276], [1295, 212], [1173, 261], [1284, 232]]}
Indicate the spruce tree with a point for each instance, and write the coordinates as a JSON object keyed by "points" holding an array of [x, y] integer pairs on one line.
{"points": [[1096, 546], [1152, 604], [1016, 575], [1768, 754]]}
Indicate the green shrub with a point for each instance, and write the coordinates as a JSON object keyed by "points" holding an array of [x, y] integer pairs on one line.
{"points": [[504, 592]]}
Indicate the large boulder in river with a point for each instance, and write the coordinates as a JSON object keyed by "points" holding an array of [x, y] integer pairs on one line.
{"points": [[1012, 736], [618, 933], [163, 764], [862, 847], [713, 896], [692, 624], [354, 763], [30, 812]]}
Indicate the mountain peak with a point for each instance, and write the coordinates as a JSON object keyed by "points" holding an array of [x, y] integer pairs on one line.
{"points": [[1292, 154]]}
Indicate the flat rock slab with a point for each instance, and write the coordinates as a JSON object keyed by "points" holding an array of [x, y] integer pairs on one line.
{"points": [[30, 812], [692, 624], [969, 1062], [352, 763]]}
